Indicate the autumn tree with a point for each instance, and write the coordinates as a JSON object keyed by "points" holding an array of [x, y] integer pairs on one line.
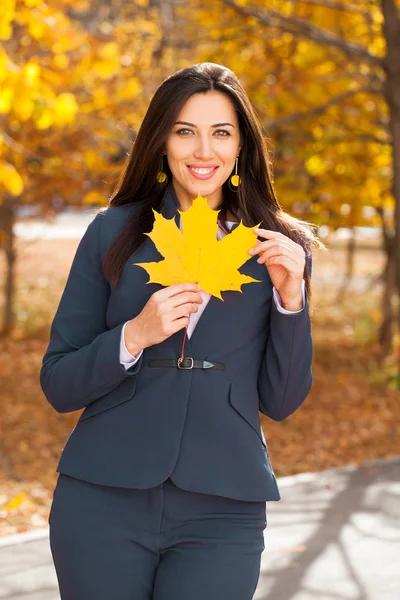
{"points": [[323, 78], [75, 77]]}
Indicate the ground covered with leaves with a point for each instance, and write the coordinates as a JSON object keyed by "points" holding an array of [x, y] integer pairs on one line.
{"points": [[351, 415]]}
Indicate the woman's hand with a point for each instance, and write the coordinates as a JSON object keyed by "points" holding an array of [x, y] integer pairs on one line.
{"points": [[285, 261], [163, 315]]}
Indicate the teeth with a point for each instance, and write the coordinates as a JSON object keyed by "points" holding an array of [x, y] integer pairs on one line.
{"points": [[202, 171]]}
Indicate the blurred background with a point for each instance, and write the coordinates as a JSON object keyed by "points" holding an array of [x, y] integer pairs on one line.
{"points": [[75, 80]]}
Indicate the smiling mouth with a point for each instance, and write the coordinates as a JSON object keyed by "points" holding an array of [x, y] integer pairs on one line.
{"points": [[202, 172]]}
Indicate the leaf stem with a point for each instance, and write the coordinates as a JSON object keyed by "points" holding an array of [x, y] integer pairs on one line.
{"points": [[184, 340]]}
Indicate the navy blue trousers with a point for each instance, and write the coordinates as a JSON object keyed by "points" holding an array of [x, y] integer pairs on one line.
{"points": [[161, 543]]}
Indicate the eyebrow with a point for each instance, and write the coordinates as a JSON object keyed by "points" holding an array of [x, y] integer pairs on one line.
{"points": [[192, 124]]}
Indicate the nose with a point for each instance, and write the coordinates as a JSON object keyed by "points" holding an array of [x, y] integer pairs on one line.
{"points": [[204, 148]]}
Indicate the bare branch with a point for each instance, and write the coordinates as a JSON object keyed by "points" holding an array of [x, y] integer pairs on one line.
{"points": [[300, 27], [344, 7], [17, 147], [322, 108], [367, 135], [179, 43], [357, 136]]}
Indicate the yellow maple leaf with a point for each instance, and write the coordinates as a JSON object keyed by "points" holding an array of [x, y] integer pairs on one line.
{"points": [[194, 255], [15, 502]]}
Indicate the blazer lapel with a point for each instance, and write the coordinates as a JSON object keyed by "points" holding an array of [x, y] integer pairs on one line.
{"points": [[170, 204]]}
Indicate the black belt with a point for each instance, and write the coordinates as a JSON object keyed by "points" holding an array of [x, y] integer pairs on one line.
{"points": [[187, 363]]}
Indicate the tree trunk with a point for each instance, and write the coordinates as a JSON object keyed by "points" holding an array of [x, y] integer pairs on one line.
{"points": [[350, 256], [351, 250], [389, 289], [388, 277], [391, 30], [7, 219]]}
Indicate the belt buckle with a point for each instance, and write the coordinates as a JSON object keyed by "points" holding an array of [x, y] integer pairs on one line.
{"points": [[180, 360]]}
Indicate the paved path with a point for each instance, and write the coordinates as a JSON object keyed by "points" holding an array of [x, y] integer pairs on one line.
{"points": [[334, 535]]}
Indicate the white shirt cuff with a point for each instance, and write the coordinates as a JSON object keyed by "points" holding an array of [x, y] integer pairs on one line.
{"points": [[278, 301], [125, 357]]}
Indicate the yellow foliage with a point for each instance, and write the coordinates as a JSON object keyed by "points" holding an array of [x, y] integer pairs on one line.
{"points": [[315, 165], [377, 46], [194, 254], [10, 179], [7, 16], [106, 68], [63, 43], [23, 107], [6, 96], [36, 29], [45, 120], [109, 51], [100, 99], [30, 73], [93, 197], [86, 90], [129, 89], [91, 159], [61, 82], [3, 64], [61, 61], [65, 109], [340, 168]]}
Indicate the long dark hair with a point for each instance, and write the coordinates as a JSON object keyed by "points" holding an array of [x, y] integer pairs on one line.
{"points": [[255, 198]]}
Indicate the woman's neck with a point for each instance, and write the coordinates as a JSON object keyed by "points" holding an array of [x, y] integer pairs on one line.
{"points": [[231, 217]]}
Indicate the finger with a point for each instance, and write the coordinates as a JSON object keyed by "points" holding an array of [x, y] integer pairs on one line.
{"points": [[184, 310], [279, 247], [285, 261], [271, 235], [262, 246], [180, 299], [178, 288], [267, 233], [273, 252]]}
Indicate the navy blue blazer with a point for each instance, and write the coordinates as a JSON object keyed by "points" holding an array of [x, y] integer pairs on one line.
{"points": [[201, 427]]}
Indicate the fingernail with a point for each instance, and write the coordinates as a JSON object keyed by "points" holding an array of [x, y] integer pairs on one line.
{"points": [[251, 251]]}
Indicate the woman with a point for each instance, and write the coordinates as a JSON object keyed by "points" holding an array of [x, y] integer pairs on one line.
{"points": [[163, 482]]}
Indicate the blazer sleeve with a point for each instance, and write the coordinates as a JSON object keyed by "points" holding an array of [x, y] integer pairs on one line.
{"points": [[81, 362], [285, 375]]}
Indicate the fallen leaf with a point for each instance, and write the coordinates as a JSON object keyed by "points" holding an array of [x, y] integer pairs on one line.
{"points": [[15, 502]]}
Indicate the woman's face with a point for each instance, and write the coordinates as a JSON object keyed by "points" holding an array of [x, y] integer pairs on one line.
{"points": [[202, 148]]}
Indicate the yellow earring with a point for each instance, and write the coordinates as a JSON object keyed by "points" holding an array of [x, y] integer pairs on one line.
{"points": [[235, 179], [161, 175]]}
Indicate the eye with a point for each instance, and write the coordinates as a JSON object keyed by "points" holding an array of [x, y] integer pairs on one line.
{"points": [[224, 131], [180, 131]]}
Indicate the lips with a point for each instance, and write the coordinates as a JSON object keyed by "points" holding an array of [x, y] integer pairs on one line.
{"points": [[202, 172]]}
